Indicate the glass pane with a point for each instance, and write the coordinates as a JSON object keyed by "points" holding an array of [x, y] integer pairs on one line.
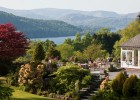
{"points": [[123, 56], [129, 56], [135, 57]]}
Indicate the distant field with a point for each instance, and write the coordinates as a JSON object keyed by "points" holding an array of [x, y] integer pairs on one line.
{"points": [[21, 95]]}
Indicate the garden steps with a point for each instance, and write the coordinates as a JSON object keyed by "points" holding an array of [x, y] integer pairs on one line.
{"points": [[93, 88], [3, 80]]}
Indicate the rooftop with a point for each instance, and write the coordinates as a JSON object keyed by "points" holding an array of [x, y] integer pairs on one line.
{"points": [[132, 43]]}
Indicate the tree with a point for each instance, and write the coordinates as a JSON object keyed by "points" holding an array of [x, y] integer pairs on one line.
{"points": [[38, 54], [53, 53], [12, 42], [128, 32], [66, 50], [94, 51], [129, 86], [106, 39], [68, 41], [77, 44], [86, 40], [78, 56], [78, 38], [48, 44], [117, 83]]}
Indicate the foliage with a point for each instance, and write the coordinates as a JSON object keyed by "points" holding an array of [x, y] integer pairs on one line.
{"points": [[129, 86], [104, 95], [106, 39], [86, 80], [105, 84], [77, 43], [4, 67], [68, 41], [31, 50], [138, 88], [5, 92], [48, 44], [66, 78], [78, 55], [86, 40], [93, 52], [118, 82], [31, 78], [53, 53], [38, 54], [12, 42], [112, 68], [128, 32], [65, 50], [36, 28]]}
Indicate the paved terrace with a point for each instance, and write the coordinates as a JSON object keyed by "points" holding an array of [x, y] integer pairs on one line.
{"points": [[130, 71]]}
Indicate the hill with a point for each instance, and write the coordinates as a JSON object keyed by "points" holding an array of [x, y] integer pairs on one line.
{"points": [[36, 28], [88, 20]]}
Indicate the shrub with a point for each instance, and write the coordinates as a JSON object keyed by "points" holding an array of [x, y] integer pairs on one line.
{"points": [[51, 95], [69, 94], [117, 83], [112, 68], [4, 68], [86, 80], [5, 92], [105, 85], [104, 95], [66, 77], [138, 88], [30, 77], [129, 86]]}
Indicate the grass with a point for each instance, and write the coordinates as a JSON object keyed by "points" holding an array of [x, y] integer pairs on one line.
{"points": [[21, 95]]}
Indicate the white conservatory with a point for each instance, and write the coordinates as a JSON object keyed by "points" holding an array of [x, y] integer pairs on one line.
{"points": [[130, 53]]}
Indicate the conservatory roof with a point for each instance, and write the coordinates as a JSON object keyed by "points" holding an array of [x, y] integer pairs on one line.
{"points": [[132, 43]]}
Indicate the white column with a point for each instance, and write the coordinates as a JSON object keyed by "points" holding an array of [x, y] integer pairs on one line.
{"points": [[138, 57], [133, 58], [121, 58]]}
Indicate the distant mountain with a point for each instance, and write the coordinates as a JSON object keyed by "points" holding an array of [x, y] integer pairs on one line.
{"points": [[52, 13], [35, 28], [88, 20]]}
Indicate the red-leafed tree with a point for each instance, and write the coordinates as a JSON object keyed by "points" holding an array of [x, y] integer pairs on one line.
{"points": [[12, 42]]}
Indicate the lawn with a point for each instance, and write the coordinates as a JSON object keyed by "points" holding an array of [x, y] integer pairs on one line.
{"points": [[21, 95]]}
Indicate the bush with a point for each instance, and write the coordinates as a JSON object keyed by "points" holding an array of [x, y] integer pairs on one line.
{"points": [[129, 86], [5, 92], [112, 68], [104, 95], [105, 85], [52, 95], [4, 68], [86, 80], [69, 94], [67, 76], [138, 88], [117, 83], [30, 78]]}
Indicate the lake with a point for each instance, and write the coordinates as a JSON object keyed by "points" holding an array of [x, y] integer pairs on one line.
{"points": [[57, 40]]}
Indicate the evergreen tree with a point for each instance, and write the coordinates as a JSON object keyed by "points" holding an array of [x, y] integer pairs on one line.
{"points": [[129, 86], [117, 83], [38, 53]]}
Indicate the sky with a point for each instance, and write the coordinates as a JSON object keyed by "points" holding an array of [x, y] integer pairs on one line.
{"points": [[119, 6]]}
